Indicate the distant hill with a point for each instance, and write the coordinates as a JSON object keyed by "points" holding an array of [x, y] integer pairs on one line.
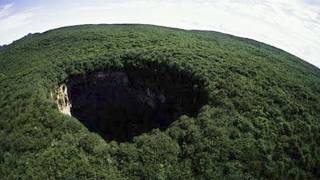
{"points": [[150, 102], [2, 47]]}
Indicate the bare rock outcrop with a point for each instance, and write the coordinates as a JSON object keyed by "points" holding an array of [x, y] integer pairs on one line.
{"points": [[60, 96]]}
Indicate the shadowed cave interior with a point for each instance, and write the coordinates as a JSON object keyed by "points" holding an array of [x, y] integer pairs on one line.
{"points": [[124, 103]]}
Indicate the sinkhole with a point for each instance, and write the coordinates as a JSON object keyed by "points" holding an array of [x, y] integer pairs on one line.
{"points": [[120, 104]]}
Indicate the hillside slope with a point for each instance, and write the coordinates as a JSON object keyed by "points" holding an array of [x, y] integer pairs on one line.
{"points": [[257, 115]]}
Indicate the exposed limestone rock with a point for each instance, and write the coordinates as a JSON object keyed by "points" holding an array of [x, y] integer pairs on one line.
{"points": [[60, 96]]}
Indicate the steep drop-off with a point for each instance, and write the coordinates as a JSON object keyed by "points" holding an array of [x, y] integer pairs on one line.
{"points": [[121, 104]]}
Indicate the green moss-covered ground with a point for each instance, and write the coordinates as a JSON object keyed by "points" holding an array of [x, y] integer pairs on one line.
{"points": [[261, 120]]}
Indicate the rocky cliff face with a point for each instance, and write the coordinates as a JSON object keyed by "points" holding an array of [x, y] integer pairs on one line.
{"points": [[60, 96]]}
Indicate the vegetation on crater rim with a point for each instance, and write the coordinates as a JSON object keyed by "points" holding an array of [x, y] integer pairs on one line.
{"points": [[261, 118]]}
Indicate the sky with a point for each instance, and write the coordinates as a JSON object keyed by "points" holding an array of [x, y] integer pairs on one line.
{"points": [[291, 25]]}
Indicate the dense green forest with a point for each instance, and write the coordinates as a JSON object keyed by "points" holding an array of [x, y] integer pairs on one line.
{"points": [[247, 110]]}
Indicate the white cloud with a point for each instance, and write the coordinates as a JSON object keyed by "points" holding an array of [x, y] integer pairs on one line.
{"points": [[13, 23], [292, 25], [5, 10]]}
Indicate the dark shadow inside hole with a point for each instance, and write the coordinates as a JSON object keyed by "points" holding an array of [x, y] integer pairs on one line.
{"points": [[123, 103]]}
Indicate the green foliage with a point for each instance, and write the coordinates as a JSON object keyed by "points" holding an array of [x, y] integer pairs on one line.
{"points": [[261, 120]]}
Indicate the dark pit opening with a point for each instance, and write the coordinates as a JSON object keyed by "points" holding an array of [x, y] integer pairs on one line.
{"points": [[120, 104]]}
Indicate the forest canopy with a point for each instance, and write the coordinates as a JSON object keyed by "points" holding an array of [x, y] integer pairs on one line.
{"points": [[210, 106]]}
